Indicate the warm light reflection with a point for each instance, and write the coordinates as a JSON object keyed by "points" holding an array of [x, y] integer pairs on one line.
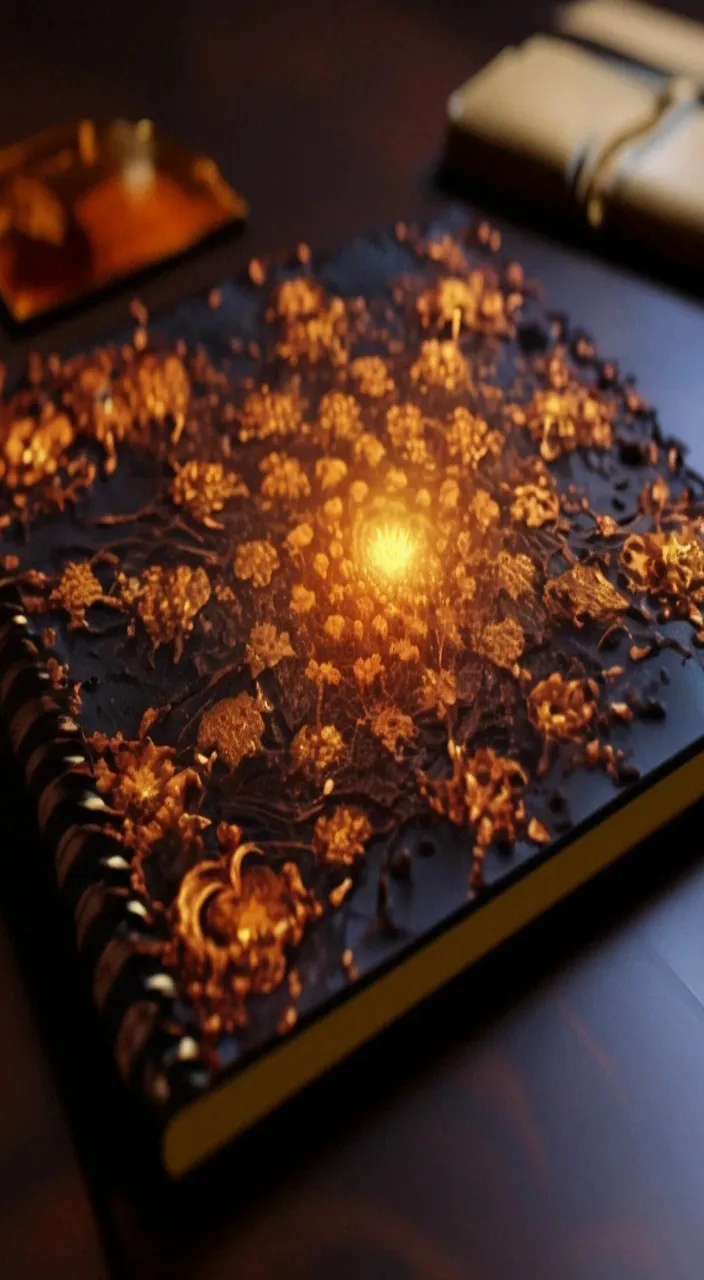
{"points": [[390, 551]]}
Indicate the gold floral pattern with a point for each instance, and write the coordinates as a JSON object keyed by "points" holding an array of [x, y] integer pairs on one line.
{"points": [[233, 728], [141, 777], [316, 749], [145, 786], [339, 416], [235, 921], [441, 364], [77, 590], [32, 452], [266, 647], [204, 488], [256, 562], [372, 376], [163, 391], [438, 690], [484, 510], [469, 438], [316, 336], [535, 503], [266, 413], [502, 642], [563, 710], [368, 670], [515, 574], [393, 728], [341, 838], [329, 472], [583, 592], [476, 298], [367, 529], [322, 673], [302, 600], [564, 419], [484, 793], [169, 601], [405, 427], [670, 566], [284, 477], [298, 297]]}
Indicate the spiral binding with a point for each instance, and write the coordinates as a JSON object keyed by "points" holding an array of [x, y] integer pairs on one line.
{"points": [[152, 1029]]}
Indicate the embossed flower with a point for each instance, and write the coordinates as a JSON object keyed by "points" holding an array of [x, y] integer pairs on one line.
{"points": [[340, 839], [438, 691], [302, 600], [502, 642], [484, 793], [233, 728], [563, 710], [236, 920], [256, 561], [169, 599], [284, 477], [393, 728], [535, 503], [316, 749], [469, 438], [329, 472], [265, 414], [372, 376], [368, 670], [339, 416], [32, 452], [670, 565], [76, 591], [575, 416], [204, 488], [583, 592], [440, 364], [266, 647]]}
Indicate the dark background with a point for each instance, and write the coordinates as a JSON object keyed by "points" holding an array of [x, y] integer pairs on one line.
{"points": [[542, 1118]]}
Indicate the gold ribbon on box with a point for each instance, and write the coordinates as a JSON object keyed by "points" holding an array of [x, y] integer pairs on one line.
{"points": [[599, 165]]}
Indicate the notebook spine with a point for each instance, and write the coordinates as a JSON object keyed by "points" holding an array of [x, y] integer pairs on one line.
{"points": [[151, 1028]]}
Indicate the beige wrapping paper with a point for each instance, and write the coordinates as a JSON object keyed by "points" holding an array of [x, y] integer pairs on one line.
{"points": [[556, 126]]}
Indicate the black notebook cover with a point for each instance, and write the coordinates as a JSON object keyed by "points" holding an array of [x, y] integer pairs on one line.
{"points": [[350, 618]]}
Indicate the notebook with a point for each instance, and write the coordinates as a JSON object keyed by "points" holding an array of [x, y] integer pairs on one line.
{"points": [[350, 619]]}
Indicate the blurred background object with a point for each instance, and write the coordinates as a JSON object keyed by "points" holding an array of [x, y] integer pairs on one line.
{"points": [[82, 205]]}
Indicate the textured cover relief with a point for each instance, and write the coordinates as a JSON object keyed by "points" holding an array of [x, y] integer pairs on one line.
{"points": [[333, 603]]}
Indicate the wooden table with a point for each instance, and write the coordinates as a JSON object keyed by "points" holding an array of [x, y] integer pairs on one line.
{"points": [[542, 1119]]}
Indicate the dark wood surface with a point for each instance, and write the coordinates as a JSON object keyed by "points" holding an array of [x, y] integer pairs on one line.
{"points": [[542, 1118]]}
